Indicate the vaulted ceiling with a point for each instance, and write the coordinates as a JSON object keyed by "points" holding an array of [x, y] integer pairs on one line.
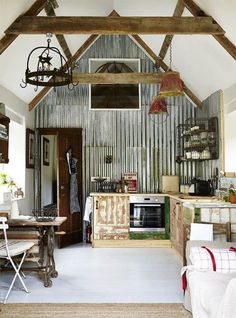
{"points": [[203, 48]]}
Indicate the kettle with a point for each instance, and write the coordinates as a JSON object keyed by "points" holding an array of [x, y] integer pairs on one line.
{"points": [[200, 187]]}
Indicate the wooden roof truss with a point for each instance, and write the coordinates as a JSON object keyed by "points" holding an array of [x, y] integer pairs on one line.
{"points": [[200, 23]]}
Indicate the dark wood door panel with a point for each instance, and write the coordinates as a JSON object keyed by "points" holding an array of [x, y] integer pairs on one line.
{"points": [[66, 138], [70, 138]]}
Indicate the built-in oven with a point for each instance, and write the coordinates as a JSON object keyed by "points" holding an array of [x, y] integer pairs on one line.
{"points": [[147, 213]]}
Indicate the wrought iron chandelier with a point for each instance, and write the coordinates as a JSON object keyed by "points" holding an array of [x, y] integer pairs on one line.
{"points": [[43, 72]]}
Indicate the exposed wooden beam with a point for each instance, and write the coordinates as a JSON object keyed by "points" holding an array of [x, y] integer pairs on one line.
{"points": [[115, 25], [165, 67], [60, 38], [117, 78], [35, 9], [168, 38], [222, 39], [36, 100]]}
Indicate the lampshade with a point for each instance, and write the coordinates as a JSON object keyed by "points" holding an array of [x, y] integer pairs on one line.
{"points": [[171, 85], [158, 105]]}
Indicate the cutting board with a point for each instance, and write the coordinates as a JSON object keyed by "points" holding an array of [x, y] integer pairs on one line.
{"points": [[170, 183]]}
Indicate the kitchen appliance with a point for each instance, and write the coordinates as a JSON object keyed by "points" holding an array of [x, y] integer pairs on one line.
{"points": [[147, 213], [170, 184], [200, 187]]}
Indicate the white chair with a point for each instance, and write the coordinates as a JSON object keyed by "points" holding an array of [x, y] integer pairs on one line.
{"points": [[9, 250]]}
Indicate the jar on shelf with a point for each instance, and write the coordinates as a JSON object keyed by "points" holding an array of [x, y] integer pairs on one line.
{"points": [[188, 155], [205, 154], [195, 154]]}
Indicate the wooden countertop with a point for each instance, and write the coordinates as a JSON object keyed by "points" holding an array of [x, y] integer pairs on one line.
{"points": [[32, 222], [178, 196], [96, 194]]}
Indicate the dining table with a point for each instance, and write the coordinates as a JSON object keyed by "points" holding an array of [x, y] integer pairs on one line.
{"points": [[46, 266]]}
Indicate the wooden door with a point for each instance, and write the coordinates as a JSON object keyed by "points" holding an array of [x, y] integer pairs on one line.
{"points": [[68, 138], [73, 227]]}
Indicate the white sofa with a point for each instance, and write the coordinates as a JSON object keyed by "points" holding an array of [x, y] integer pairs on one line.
{"points": [[210, 294]]}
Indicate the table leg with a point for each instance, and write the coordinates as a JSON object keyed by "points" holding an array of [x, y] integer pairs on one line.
{"points": [[42, 245], [50, 268]]}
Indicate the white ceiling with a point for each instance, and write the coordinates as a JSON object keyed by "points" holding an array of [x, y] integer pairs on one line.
{"points": [[204, 65]]}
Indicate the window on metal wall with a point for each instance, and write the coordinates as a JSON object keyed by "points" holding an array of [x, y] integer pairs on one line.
{"points": [[15, 169]]}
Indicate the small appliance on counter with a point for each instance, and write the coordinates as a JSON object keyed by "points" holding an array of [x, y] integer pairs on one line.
{"points": [[200, 187], [170, 183]]}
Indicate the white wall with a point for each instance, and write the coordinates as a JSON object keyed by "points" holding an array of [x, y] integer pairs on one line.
{"points": [[48, 173], [230, 128], [230, 142], [20, 108], [16, 166]]}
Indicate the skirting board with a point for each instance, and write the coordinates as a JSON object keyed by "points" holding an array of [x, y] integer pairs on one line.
{"points": [[131, 243]]}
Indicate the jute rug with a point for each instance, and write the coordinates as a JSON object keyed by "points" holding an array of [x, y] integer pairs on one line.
{"points": [[93, 311]]}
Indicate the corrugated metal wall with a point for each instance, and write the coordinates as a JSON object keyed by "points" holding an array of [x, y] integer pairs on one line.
{"points": [[137, 141]]}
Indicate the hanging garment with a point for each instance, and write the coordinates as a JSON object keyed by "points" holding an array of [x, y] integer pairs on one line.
{"points": [[72, 165], [74, 201], [88, 208]]}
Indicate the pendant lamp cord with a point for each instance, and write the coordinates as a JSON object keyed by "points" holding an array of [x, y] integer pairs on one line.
{"points": [[170, 56]]}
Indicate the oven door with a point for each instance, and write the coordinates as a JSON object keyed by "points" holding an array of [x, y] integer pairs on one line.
{"points": [[147, 217]]}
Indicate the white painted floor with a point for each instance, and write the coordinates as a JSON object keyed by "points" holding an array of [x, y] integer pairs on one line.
{"points": [[106, 275]]}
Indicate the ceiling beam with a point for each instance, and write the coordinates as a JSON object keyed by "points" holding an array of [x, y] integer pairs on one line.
{"points": [[60, 38], [222, 39], [179, 9], [114, 25], [36, 100], [117, 78], [35, 9], [165, 68]]}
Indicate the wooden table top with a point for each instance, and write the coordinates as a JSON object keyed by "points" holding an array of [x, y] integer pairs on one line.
{"points": [[32, 222]]}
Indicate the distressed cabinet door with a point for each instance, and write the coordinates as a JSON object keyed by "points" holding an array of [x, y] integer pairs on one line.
{"points": [[176, 225], [111, 217]]}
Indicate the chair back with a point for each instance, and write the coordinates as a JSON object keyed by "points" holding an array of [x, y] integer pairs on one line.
{"points": [[201, 232], [218, 229], [4, 226]]}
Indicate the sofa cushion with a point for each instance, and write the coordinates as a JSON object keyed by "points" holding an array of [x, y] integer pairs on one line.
{"points": [[207, 291], [213, 244], [216, 259]]}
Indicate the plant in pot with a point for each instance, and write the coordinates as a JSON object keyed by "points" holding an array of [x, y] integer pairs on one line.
{"points": [[232, 195]]}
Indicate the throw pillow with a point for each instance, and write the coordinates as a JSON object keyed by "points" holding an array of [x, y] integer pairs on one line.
{"points": [[214, 259]]}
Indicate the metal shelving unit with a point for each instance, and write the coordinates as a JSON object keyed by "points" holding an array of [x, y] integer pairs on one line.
{"points": [[198, 139]]}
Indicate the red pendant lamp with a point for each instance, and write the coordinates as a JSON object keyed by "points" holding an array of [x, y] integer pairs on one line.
{"points": [[171, 83], [158, 105]]}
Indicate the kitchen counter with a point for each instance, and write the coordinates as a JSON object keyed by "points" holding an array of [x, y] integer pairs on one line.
{"points": [[95, 194], [206, 204], [111, 217], [179, 196]]}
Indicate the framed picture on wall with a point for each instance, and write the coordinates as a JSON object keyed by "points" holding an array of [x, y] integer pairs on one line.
{"points": [[30, 142], [46, 151], [114, 96]]}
